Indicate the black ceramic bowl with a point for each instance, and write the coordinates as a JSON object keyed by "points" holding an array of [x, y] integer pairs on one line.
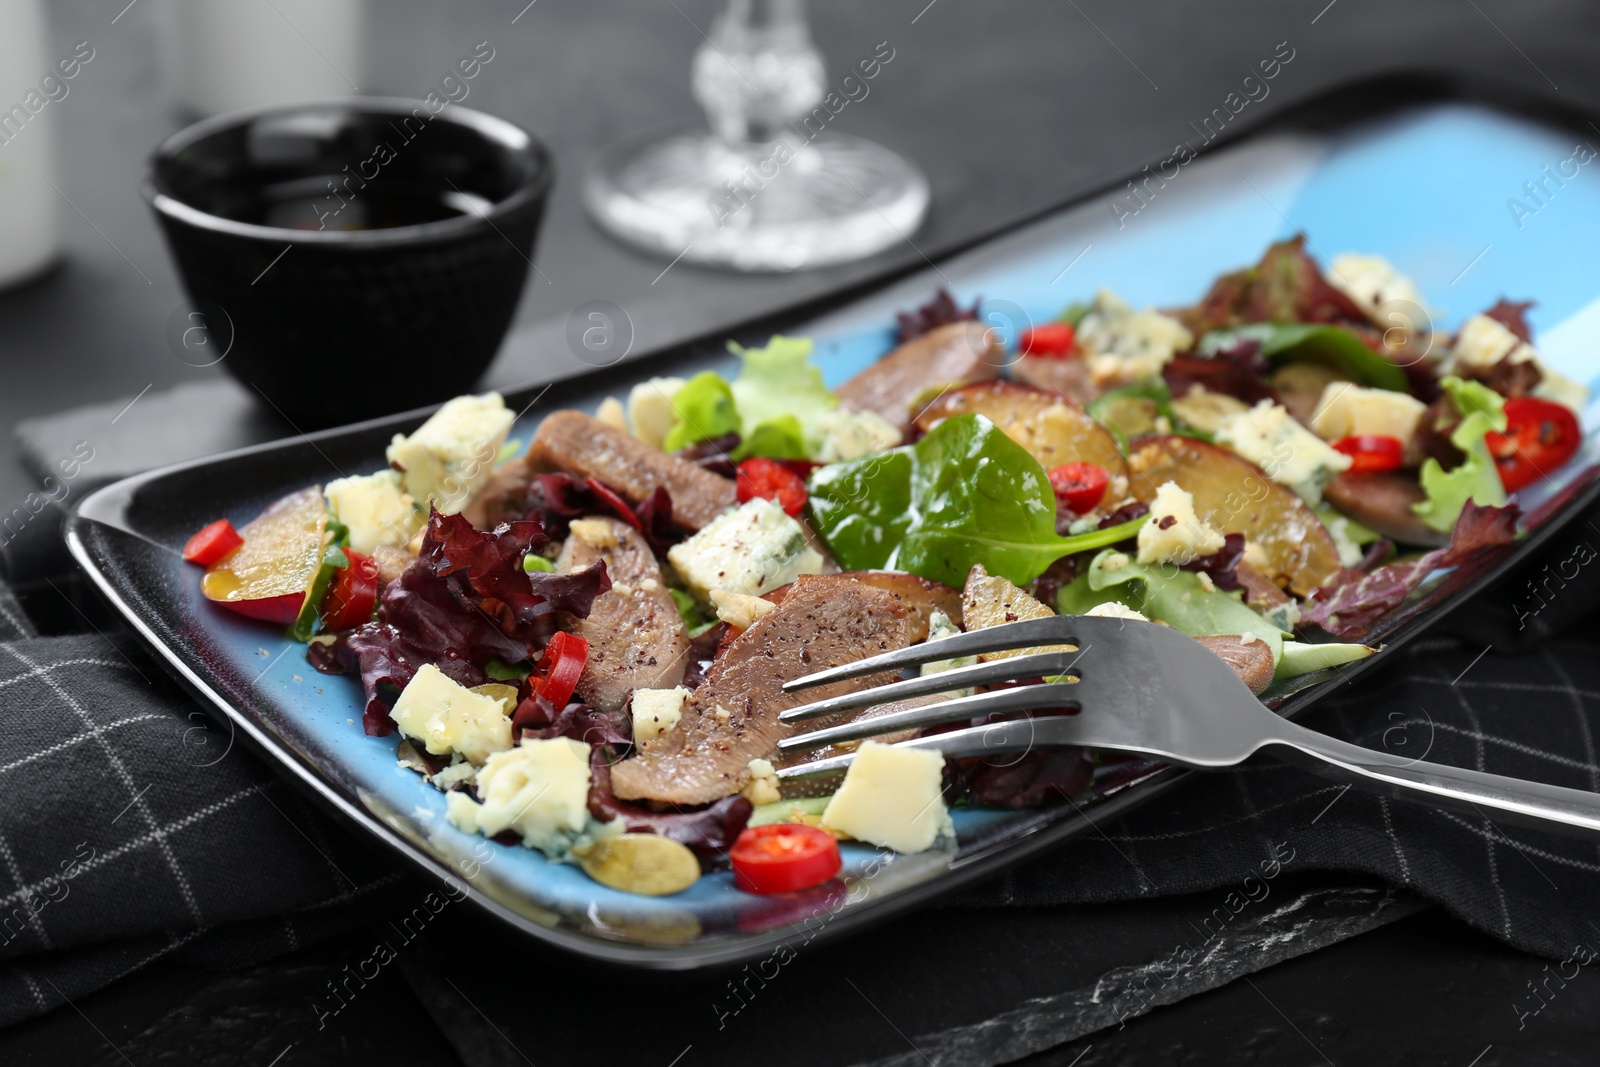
{"points": [[352, 257]]}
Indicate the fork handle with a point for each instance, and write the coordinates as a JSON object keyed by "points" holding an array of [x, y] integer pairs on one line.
{"points": [[1573, 812]]}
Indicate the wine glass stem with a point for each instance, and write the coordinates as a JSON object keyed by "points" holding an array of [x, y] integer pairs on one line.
{"points": [[758, 71]]}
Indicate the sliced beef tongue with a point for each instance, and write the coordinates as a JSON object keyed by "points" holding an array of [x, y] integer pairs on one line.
{"points": [[951, 355], [732, 718], [635, 633], [575, 443], [1383, 502], [1069, 377], [1251, 662], [920, 596], [822, 785], [708, 831]]}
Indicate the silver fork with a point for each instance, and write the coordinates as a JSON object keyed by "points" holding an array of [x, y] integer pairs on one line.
{"points": [[1144, 689]]}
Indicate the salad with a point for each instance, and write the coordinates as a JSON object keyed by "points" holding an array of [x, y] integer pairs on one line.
{"points": [[582, 639]]}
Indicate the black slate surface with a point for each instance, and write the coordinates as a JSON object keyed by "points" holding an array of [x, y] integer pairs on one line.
{"points": [[1420, 991], [947, 989]]}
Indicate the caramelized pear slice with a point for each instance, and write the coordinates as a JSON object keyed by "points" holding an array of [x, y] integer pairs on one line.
{"points": [[1233, 495]]}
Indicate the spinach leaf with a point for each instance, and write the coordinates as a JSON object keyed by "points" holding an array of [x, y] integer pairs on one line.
{"points": [[502, 672], [1306, 342], [978, 497], [965, 494], [862, 508]]}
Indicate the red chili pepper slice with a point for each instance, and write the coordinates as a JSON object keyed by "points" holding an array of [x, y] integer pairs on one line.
{"points": [[213, 541], [353, 594], [783, 857], [1051, 340], [770, 480], [1372, 453], [1540, 436], [560, 668], [1080, 486]]}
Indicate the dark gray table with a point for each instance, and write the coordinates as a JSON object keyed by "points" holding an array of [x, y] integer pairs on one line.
{"points": [[1010, 108]]}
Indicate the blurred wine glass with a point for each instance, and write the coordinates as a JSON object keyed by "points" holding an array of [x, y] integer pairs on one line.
{"points": [[769, 188]]}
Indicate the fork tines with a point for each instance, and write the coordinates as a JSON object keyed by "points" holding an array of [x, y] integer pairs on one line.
{"points": [[1059, 694], [1058, 629], [1015, 669]]}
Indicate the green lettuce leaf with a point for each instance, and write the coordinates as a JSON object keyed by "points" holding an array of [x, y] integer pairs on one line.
{"points": [[773, 404], [705, 409], [779, 438], [1074, 313], [1166, 594], [965, 494], [1300, 658], [695, 619], [789, 810], [502, 672], [1304, 342], [1355, 531], [780, 382], [1475, 478]]}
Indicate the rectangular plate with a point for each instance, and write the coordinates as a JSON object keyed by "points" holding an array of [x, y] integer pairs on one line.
{"points": [[1428, 185]]}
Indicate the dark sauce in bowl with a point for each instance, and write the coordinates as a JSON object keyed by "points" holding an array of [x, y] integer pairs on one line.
{"points": [[349, 167], [368, 253], [308, 204]]}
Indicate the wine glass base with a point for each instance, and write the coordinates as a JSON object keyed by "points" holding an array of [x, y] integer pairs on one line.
{"points": [[784, 206]]}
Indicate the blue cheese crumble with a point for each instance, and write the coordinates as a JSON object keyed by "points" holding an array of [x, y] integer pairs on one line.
{"points": [[452, 455], [752, 549], [540, 790], [1173, 533], [1288, 453]]}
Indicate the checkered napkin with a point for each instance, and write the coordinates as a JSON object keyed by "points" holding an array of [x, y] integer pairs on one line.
{"points": [[131, 831], [1510, 685]]}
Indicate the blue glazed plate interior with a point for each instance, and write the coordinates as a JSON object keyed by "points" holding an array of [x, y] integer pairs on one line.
{"points": [[1439, 190]]}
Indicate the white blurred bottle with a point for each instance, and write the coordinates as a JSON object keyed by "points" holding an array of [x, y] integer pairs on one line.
{"points": [[30, 237], [221, 55]]}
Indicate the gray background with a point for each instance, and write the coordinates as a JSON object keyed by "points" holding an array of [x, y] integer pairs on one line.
{"points": [[1010, 107]]}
